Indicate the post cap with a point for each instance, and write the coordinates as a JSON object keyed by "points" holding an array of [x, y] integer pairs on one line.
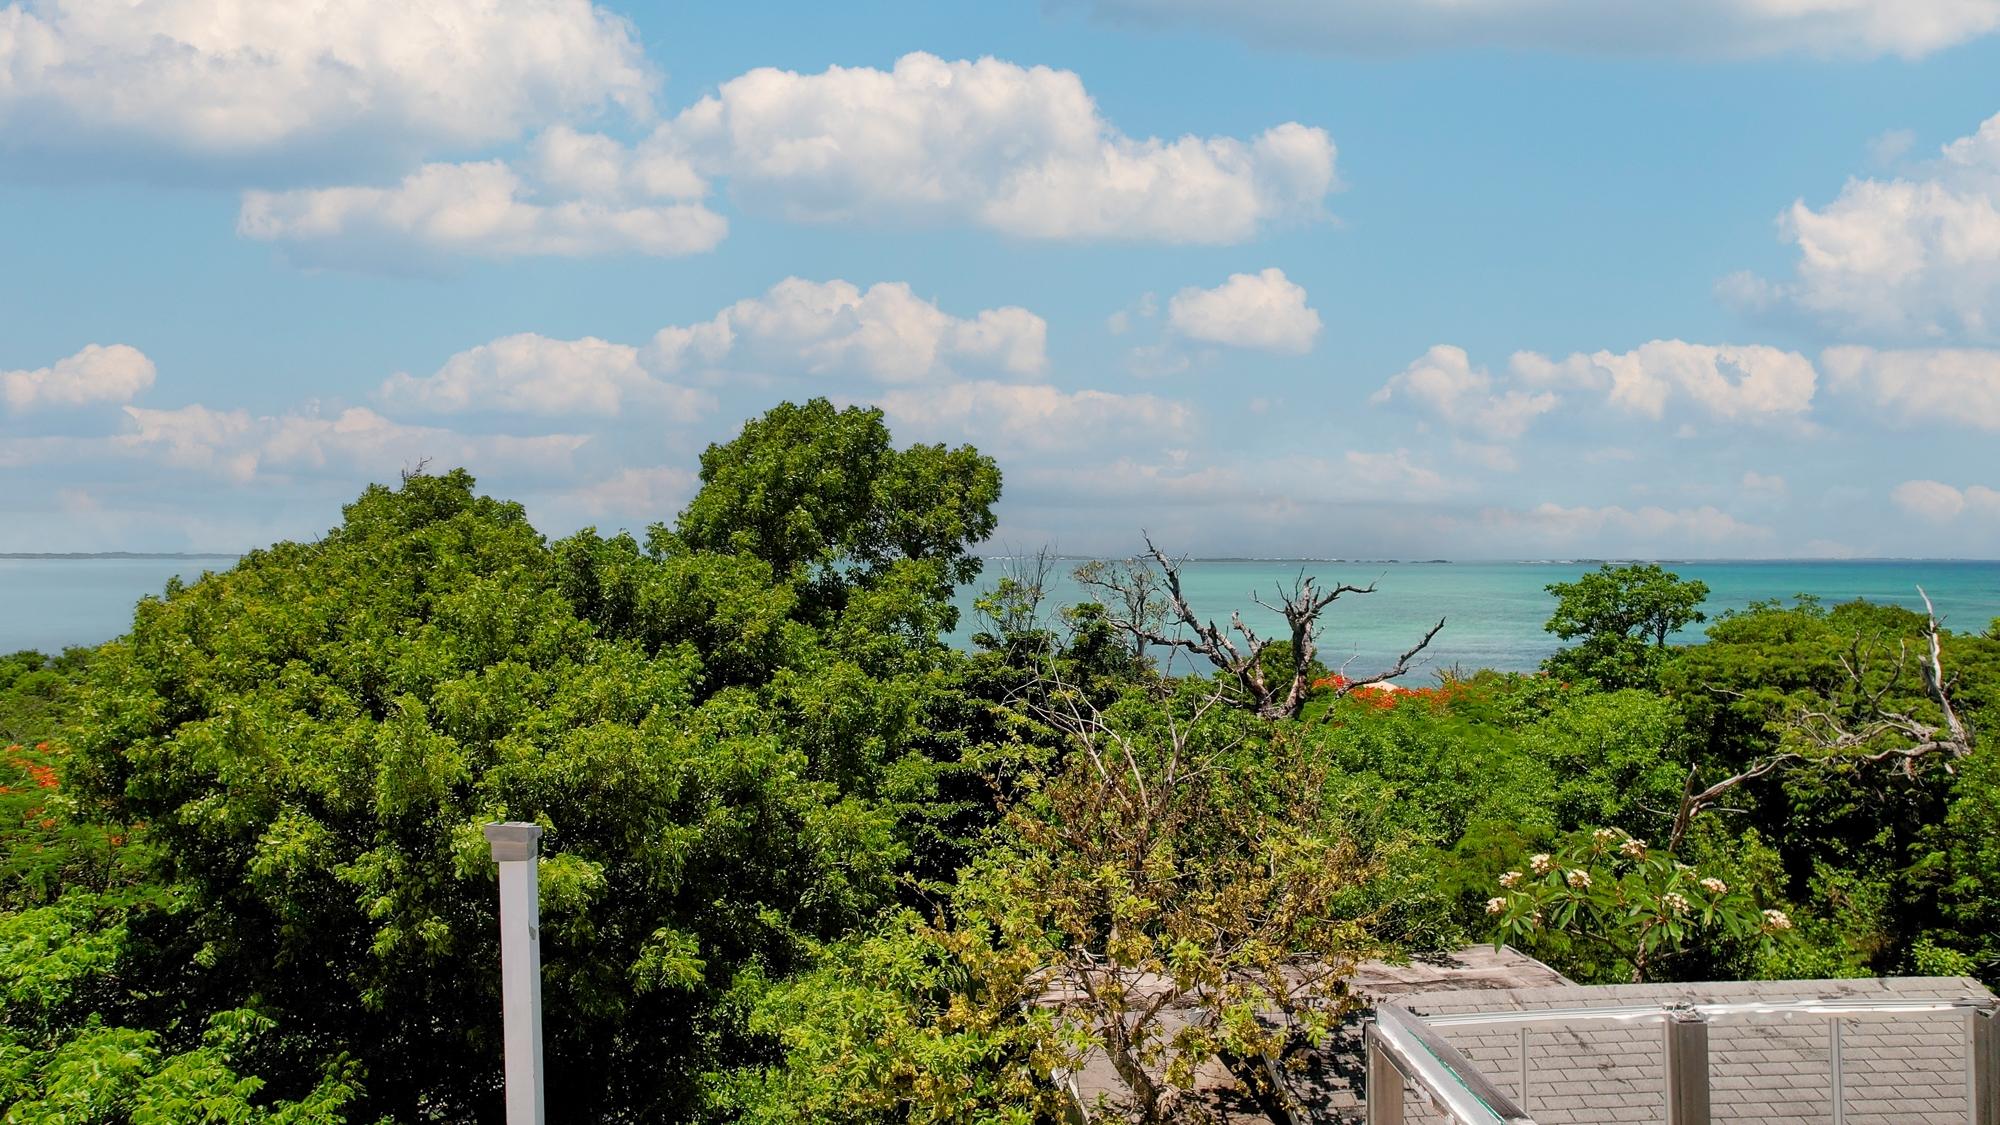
{"points": [[514, 840]]}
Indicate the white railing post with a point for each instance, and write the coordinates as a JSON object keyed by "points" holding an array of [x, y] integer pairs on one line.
{"points": [[515, 848], [1385, 1081], [1686, 1054], [1982, 1066]]}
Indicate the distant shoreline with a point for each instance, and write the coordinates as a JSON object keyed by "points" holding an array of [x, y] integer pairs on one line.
{"points": [[80, 556]]}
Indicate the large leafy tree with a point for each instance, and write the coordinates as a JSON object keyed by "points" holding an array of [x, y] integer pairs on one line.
{"points": [[819, 491], [721, 730], [1621, 617]]}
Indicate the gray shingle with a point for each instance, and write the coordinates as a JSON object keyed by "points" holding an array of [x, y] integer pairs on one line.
{"points": [[1906, 1067]]}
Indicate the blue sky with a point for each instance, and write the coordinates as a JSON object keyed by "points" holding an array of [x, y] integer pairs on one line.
{"points": [[1534, 278]]}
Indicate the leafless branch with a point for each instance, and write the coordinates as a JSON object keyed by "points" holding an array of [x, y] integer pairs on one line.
{"points": [[1831, 740], [1236, 652]]}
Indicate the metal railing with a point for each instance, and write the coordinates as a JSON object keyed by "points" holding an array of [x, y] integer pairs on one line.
{"points": [[1403, 1046]]}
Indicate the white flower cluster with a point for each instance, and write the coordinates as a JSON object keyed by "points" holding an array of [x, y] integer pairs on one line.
{"points": [[1496, 905], [1674, 902], [1579, 879], [1776, 921], [1714, 885], [1511, 880], [1634, 847], [1541, 863]]}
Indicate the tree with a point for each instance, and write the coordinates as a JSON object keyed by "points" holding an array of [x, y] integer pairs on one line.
{"points": [[1238, 653], [1606, 902], [728, 763], [1182, 895], [1622, 616], [822, 492]]}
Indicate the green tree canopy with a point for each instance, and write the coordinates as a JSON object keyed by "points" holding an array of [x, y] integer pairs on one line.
{"points": [[314, 737], [813, 487], [1621, 616]]}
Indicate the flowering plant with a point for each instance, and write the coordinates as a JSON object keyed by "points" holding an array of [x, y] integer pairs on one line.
{"points": [[1605, 892]]}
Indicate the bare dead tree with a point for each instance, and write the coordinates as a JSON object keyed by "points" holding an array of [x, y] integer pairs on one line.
{"points": [[1136, 588], [1237, 652], [1013, 605], [1871, 733]]}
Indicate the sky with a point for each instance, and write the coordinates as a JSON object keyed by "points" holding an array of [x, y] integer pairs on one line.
{"points": [[1321, 278]]}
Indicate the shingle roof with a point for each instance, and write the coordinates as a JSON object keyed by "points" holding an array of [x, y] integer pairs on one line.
{"points": [[1908, 1067], [1331, 1084]]}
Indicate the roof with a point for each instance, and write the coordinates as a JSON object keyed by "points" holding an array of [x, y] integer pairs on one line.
{"points": [[1333, 1081], [1764, 1068]]}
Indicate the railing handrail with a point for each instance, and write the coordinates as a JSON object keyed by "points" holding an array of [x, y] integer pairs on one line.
{"points": [[1831, 1007], [1421, 1053]]}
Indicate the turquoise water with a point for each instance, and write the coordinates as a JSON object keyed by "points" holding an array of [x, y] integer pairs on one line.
{"points": [[1493, 611], [50, 604]]}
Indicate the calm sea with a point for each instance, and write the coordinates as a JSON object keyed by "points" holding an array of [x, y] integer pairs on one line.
{"points": [[1493, 611]]}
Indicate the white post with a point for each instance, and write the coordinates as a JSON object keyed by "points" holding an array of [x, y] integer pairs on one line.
{"points": [[515, 847], [1686, 1066]]}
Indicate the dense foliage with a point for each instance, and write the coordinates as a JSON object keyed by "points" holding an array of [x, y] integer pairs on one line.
{"points": [[806, 861]]}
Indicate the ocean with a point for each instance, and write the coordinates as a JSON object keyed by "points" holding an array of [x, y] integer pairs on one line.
{"points": [[1493, 611]]}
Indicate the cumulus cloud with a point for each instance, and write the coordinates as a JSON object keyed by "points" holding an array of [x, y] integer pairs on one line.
{"points": [[1727, 28], [1938, 502], [1013, 416], [1022, 150], [234, 77], [485, 209], [98, 373], [1265, 311], [531, 374], [642, 496], [1765, 486], [243, 447], [1729, 381], [1617, 528], [1444, 382], [1394, 475], [885, 332], [1917, 256], [1958, 387], [1017, 149]]}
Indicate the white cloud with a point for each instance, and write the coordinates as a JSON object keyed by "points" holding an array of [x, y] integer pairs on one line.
{"points": [[1729, 381], [1033, 416], [1765, 486], [1444, 382], [243, 447], [531, 374], [1726, 28], [1938, 502], [230, 77], [1917, 257], [479, 210], [1617, 528], [1959, 387], [1265, 311], [1393, 476], [643, 496], [98, 373], [885, 332], [1021, 150]]}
